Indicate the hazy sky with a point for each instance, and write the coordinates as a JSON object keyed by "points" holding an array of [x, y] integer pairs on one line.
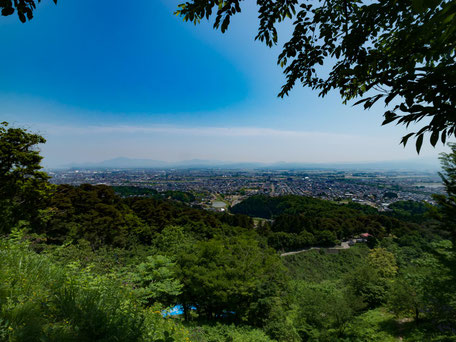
{"points": [[109, 78]]}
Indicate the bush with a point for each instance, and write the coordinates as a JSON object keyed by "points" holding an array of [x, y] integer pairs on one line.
{"points": [[41, 300], [224, 333]]}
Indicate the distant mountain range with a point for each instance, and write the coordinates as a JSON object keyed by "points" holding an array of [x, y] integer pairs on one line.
{"points": [[423, 164]]}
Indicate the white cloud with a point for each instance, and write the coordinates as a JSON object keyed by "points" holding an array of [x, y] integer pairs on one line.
{"points": [[195, 131], [67, 144]]}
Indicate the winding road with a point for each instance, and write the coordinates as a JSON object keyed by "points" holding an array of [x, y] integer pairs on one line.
{"points": [[343, 245]]}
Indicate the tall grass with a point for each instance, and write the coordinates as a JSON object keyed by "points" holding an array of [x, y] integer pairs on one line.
{"points": [[41, 300]]}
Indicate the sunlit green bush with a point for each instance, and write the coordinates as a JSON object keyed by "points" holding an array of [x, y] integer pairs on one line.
{"points": [[44, 301], [223, 333]]}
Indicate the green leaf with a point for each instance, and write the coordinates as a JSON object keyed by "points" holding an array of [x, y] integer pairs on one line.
{"points": [[443, 136], [22, 17], [406, 138], [449, 18], [389, 117], [434, 137], [419, 143], [7, 11], [418, 5], [389, 98]]}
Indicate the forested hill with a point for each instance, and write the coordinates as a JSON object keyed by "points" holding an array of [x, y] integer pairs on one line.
{"points": [[97, 214], [271, 207], [301, 222], [132, 191], [94, 256]]}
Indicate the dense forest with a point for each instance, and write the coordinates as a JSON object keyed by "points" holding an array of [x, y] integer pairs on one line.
{"points": [[300, 222], [96, 263]]}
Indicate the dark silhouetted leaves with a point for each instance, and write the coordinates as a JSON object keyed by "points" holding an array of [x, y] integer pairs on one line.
{"points": [[24, 8], [7, 11], [419, 142], [391, 50]]}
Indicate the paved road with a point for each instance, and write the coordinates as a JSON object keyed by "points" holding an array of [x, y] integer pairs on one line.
{"points": [[343, 245]]}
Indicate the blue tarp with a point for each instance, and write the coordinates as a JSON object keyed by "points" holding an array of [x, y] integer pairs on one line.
{"points": [[176, 310]]}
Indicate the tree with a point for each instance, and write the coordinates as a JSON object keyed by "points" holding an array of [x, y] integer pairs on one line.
{"points": [[155, 280], [426, 287], [406, 298], [445, 212], [391, 50], [323, 310], [384, 262], [446, 203], [93, 213], [23, 8], [232, 277], [372, 280], [365, 283], [23, 185]]}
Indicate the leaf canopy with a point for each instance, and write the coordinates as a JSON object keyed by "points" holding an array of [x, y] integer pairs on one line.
{"points": [[23, 8], [401, 52]]}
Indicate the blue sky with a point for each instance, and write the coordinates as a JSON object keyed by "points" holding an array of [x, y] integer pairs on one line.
{"points": [[103, 79]]}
